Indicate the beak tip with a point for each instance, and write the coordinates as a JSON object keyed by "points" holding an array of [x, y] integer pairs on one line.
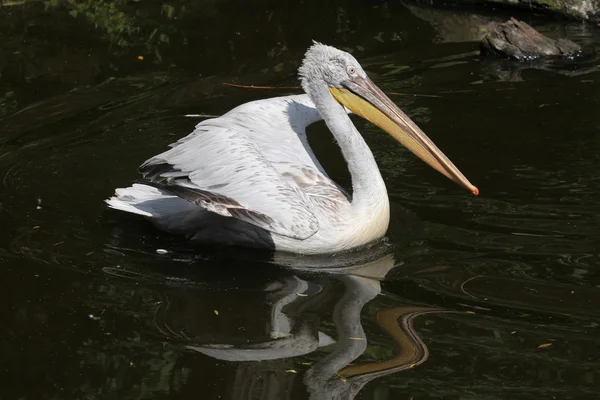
{"points": [[475, 191]]}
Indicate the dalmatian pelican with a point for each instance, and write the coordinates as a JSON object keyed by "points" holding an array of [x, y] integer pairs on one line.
{"points": [[250, 178]]}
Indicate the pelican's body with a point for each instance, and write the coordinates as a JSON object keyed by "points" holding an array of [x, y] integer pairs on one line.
{"points": [[250, 178]]}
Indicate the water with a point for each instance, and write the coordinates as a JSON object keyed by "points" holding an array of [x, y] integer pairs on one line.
{"points": [[456, 305]]}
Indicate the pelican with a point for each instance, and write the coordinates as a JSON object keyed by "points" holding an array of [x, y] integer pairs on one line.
{"points": [[250, 178]]}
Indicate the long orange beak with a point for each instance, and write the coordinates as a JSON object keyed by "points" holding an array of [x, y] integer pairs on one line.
{"points": [[364, 98]]}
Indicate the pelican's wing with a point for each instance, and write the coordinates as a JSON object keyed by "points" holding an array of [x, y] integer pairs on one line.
{"points": [[224, 168]]}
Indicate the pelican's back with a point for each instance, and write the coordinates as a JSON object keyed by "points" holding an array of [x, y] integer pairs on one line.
{"points": [[253, 164]]}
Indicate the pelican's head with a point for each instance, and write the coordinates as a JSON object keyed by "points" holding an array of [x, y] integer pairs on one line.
{"points": [[327, 67]]}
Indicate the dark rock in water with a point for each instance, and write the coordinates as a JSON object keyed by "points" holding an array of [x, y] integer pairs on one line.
{"points": [[587, 10], [517, 40], [453, 25]]}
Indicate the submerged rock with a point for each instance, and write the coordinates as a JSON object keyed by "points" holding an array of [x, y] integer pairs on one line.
{"points": [[517, 40]]}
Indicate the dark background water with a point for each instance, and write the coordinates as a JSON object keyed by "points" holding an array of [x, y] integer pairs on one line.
{"points": [[455, 306]]}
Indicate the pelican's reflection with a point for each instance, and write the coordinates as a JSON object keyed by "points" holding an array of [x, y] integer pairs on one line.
{"points": [[295, 327], [289, 338]]}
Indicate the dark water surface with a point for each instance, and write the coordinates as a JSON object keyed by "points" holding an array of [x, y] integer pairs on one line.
{"points": [[454, 306]]}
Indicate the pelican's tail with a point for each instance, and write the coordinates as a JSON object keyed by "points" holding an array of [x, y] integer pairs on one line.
{"points": [[145, 200], [178, 216], [165, 210]]}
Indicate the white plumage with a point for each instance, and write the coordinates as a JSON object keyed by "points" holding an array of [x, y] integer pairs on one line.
{"points": [[257, 154], [250, 178]]}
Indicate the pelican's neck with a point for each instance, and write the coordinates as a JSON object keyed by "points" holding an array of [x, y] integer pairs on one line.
{"points": [[368, 188]]}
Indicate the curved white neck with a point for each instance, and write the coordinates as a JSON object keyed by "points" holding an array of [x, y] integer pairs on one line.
{"points": [[367, 184]]}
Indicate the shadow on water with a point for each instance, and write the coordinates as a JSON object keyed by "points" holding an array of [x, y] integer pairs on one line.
{"points": [[493, 297]]}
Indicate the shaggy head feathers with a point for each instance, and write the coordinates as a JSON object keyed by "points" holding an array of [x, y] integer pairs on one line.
{"points": [[327, 65]]}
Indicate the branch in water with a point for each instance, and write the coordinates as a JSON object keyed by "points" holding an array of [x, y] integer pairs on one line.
{"points": [[259, 87], [416, 95], [298, 87]]}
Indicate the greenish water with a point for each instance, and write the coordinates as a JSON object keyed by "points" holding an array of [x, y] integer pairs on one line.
{"points": [[454, 306]]}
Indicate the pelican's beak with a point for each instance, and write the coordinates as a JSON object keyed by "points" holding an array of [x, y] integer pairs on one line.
{"points": [[364, 98]]}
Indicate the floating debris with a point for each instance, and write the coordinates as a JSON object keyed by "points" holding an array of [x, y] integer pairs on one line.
{"points": [[542, 346], [470, 312], [412, 365], [356, 338], [292, 371], [237, 85], [302, 294], [474, 307], [161, 251], [216, 312], [140, 58], [201, 115]]}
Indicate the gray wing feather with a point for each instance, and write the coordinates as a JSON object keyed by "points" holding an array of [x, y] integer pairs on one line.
{"points": [[228, 166]]}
